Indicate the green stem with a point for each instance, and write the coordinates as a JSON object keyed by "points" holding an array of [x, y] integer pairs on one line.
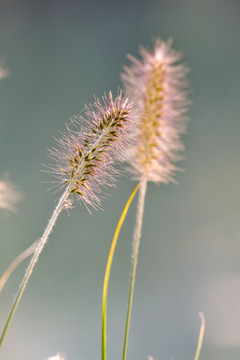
{"points": [[107, 273], [136, 242], [35, 257]]}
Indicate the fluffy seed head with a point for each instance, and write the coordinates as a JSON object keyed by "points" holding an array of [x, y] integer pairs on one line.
{"points": [[157, 83], [86, 152]]}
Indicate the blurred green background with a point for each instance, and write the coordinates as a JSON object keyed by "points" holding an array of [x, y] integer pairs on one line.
{"points": [[60, 54]]}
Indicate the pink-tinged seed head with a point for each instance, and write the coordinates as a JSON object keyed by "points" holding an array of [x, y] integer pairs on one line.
{"points": [[85, 155], [157, 83], [3, 71], [9, 196]]}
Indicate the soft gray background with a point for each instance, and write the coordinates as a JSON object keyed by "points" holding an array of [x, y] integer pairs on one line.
{"points": [[61, 53]]}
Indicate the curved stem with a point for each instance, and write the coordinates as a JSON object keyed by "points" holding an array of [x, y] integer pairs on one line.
{"points": [[136, 242], [107, 273], [35, 257], [200, 338], [17, 261]]}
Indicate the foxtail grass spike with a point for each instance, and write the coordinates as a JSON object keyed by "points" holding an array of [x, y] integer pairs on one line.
{"points": [[84, 159], [84, 164], [158, 84]]}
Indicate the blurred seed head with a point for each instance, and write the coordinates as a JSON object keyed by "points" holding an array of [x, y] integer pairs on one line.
{"points": [[9, 196], [3, 71], [57, 357], [158, 84], [85, 155]]}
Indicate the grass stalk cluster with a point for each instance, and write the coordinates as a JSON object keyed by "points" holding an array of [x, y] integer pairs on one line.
{"points": [[143, 128]]}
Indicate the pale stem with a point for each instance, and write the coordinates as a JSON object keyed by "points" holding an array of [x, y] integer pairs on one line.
{"points": [[136, 242], [17, 261], [35, 257], [201, 333]]}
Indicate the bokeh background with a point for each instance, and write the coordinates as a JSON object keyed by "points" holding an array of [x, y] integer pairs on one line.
{"points": [[60, 54]]}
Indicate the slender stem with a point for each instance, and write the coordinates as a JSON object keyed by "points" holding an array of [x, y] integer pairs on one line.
{"points": [[107, 273], [136, 242], [35, 257], [17, 261], [200, 338]]}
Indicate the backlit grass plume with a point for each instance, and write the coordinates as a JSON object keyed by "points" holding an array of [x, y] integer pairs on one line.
{"points": [[84, 162], [157, 83], [84, 159]]}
